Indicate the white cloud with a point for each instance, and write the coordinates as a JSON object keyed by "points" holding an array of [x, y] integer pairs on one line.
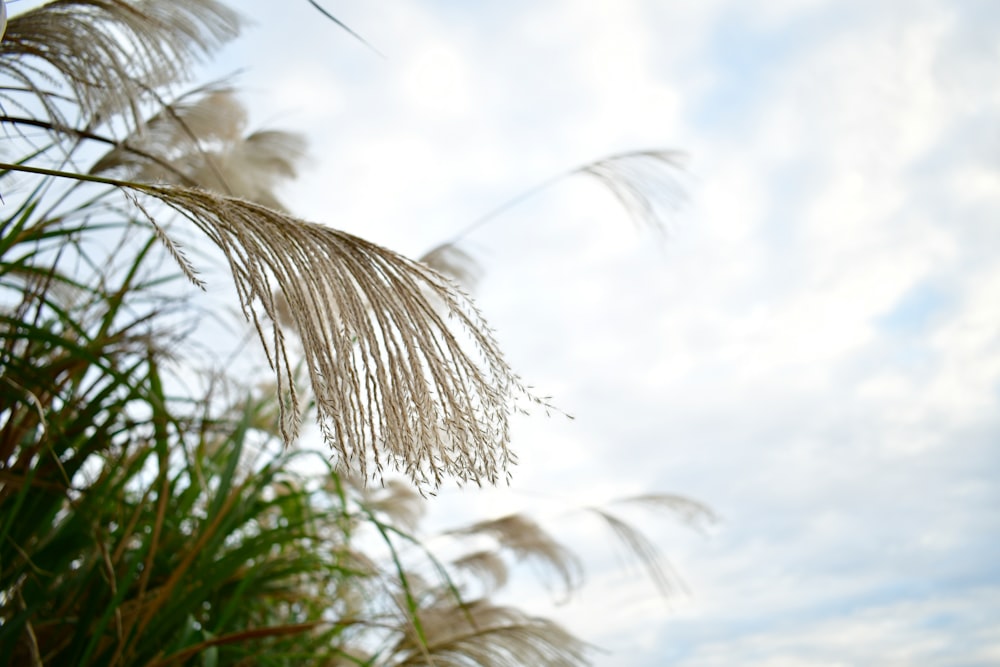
{"points": [[946, 630], [437, 81]]}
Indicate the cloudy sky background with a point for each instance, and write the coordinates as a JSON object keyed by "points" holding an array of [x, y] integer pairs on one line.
{"points": [[813, 350]]}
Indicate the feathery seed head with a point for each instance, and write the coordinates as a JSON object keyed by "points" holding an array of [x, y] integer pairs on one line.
{"points": [[393, 382]]}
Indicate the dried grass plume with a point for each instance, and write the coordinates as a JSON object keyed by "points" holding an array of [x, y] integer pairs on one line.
{"points": [[110, 53], [393, 382]]}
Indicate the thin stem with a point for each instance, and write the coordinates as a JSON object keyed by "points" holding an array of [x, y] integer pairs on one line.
{"points": [[507, 205], [85, 134], [345, 28], [76, 176]]}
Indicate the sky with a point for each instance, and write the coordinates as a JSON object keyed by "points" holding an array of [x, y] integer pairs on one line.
{"points": [[813, 347]]}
